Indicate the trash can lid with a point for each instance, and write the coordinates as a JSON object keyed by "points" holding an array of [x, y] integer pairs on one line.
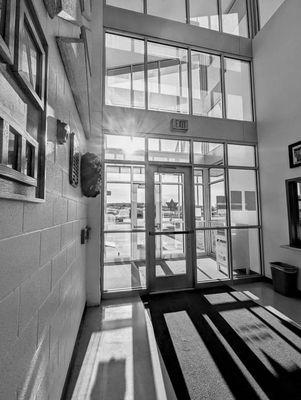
{"points": [[284, 267]]}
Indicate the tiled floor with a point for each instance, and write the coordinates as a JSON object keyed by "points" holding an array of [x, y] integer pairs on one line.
{"points": [[117, 356]]}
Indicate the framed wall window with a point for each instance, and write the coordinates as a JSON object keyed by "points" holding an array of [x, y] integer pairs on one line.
{"points": [[18, 154], [7, 30], [30, 54], [293, 192], [22, 105]]}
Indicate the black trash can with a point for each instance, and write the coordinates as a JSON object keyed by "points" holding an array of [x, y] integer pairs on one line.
{"points": [[284, 278]]}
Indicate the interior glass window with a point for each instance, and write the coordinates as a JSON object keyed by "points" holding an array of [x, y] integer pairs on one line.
{"points": [[208, 153], [167, 78], [134, 5], [124, 72], [241, 155], [168, 150], [238, 90], [170, 9], [204, 13], [206, 85], [119, 147], [235, 17]]}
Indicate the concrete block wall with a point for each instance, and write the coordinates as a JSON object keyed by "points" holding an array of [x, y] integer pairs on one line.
{"points": [[42, 263]]}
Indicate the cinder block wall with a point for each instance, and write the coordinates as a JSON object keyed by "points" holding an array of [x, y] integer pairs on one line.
{"points": [[42, 263]]}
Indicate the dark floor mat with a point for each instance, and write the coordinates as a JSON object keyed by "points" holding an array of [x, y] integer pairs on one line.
{"points": [[219, 344]]}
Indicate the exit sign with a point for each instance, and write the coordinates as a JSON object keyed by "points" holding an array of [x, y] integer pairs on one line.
{"points": [[179, 124]]}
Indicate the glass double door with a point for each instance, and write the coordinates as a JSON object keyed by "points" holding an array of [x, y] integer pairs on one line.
{"points": [[170, 228]]}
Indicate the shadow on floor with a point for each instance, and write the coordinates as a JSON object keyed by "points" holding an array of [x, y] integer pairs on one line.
{"points": [[105, 382], [219, 344], [112, 355]]}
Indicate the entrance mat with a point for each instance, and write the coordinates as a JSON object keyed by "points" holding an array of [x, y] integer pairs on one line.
{"points": [[218, 344]]}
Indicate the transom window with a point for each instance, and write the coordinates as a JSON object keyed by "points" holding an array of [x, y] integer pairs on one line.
{"points": [[148, 75], [228, 16]]}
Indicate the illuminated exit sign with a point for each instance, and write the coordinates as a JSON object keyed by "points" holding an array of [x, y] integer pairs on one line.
{"points": [[179, 124]]}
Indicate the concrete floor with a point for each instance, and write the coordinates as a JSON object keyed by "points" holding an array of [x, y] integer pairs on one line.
{"points": [[117, 357]]}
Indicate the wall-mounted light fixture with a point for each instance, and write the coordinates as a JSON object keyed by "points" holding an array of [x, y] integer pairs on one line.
{"points": [[62, 133]]}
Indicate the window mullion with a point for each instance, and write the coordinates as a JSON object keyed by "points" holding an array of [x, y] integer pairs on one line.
{"points": [[145, 74], [220, 20], [223, 86]]}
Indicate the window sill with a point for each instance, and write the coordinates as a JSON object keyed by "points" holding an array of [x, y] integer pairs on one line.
{"points": [[288, 247], [20, 197]]}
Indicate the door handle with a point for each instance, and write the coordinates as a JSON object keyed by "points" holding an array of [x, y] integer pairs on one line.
{"points": [[171, 233]]}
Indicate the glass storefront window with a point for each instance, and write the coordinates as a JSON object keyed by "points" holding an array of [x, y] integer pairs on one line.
{"points": [[133, 5], [241, 155], [245, 252], [206, 85], [125, 198], [124, 225], [167, 78], [235, 17], [131, 148], [210, 198], [124, 257], [243, 197], [199, 198], [170, 9], [168, 150], [238, 90], [208, 153], [124, 72], [204, 13], [217, 216], [212, 255]]}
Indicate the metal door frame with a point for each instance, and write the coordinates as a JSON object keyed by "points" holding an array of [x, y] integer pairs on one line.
{"points": [[184, 281]]}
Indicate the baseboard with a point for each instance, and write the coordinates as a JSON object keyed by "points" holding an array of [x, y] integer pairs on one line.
{"points": [[74, 353]]}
